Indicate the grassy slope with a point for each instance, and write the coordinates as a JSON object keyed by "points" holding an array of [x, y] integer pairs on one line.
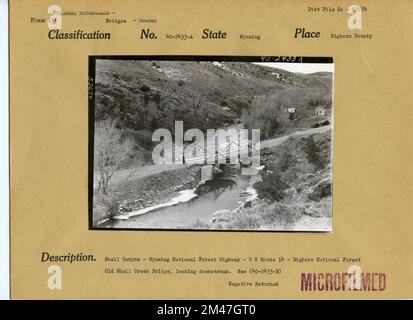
{"points": [[144, 95], [302, 188]]}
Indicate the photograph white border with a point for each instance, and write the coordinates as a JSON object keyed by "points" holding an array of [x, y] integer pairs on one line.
{"points": [[4, 153]]}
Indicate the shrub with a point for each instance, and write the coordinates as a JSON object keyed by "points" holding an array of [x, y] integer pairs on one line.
{"points": [[280, 214], [245, 221], [112, 206], [144, 88], [105, 206], [198, 224], [268, 114], [313, 152], [286, 160], [271, 187]]}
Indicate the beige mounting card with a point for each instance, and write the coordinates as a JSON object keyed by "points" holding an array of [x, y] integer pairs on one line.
{"points": [[211, 149]]}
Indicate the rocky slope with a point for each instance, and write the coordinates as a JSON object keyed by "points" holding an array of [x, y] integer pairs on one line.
{"points": [[144, 95], [294, 193]]}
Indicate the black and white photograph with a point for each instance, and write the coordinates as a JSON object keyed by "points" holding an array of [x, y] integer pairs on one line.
{"points": [[210, 143]]}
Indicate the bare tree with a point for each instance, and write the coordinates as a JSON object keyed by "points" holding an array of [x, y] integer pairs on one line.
{"points": [[109, 151], [198, 110]]}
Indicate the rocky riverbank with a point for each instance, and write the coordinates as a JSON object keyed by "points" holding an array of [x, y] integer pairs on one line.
{"points": [[143, 192], [294, 193]]}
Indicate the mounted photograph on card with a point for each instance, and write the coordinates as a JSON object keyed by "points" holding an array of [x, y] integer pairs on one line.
{"points": [[228, 143]]}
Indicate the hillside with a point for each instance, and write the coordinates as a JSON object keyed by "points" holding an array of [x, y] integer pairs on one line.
{"points": [[144, 95], [293, 193]]}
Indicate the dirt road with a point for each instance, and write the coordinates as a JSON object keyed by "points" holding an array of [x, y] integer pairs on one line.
{"points": [[138, 172]]}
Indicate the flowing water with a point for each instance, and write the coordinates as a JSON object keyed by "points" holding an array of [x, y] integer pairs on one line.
{"points": [[209, 197]]}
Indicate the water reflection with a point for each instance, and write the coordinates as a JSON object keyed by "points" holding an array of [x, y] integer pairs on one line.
{"points": [[216, 187], [217, 194]]}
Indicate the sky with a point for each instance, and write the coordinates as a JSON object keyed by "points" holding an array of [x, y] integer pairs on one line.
{"points": [[300, 67]]}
